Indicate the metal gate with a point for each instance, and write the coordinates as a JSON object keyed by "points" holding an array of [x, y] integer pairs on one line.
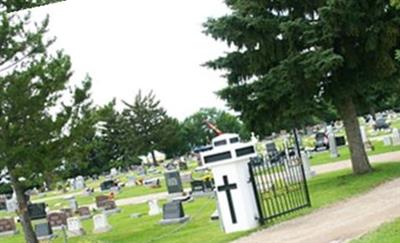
{"points": [[279, 182]]}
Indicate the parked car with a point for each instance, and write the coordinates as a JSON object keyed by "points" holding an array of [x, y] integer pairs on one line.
{"points": [[381, 123]]}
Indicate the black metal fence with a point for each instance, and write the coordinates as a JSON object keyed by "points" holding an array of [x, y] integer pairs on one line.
{"points": [[279, 183]]}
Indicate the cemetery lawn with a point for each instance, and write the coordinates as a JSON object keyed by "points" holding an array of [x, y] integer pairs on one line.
{"points": [[325, 189], [387, 233], [325, 156]]}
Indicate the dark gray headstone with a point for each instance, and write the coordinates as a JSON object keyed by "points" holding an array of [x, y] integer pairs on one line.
{"points": [[37, 211], [173, 182], [106, 185], [173, 210], [43, 230], [197, 186]]}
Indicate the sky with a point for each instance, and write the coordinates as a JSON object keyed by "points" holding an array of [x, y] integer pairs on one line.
{"points": [[127, 45]]}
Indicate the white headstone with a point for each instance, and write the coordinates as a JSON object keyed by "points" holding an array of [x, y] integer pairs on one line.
{"points": [[100, 223], [396, 136], [307, 166], [332, 142], [131, 181], [387, 141], [79, 183], [363, 134], [154, 208], [74, 226], [72, 202], [113, 172], [11, 205]]}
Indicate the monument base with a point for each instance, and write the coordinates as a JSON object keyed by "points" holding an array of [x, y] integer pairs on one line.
{"points": [[86, 217], [203, 194], [174, 221], [102, 230], [46, 237], [9, 233], [112, 211], [76, 233]]}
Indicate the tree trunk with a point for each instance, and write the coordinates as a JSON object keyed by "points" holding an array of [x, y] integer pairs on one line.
{"points": [[30, 236], [154, 158], [359, 158]]}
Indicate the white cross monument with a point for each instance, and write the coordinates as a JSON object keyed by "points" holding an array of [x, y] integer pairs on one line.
{"points": [[228, 161]]}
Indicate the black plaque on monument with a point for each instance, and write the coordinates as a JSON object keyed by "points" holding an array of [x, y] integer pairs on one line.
{"points": [[174, 182], [37, 211]]}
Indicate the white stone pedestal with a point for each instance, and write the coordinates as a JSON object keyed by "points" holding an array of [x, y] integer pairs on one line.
{"points": [[235, 193]]}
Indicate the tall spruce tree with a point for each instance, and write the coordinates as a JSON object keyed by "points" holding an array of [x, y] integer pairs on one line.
{"points": [[292, 57], [34, 123]]}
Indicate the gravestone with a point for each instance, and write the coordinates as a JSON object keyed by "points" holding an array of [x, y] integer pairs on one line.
{"points": [[141, 171], [198, 188], [7, 227], [72, 202], [173, 182], [173, 213], [152, 183], [57, 220], [271, 148], [101, 201], [396, 136], [100, 223], [3, 202], [37, 211], [307, 165], [387, 141], [84, 213], [113, 172], [12, 204], [332, 142], [131, 181], [154, 209], [79, 183], [110, 207], [43, 231], [106, 185], [367, 143], [74, 227], [186, 178], [68, 211]]}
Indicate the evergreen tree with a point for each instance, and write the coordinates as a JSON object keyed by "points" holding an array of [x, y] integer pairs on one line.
{"points": [[34, 123], [291, 58]]}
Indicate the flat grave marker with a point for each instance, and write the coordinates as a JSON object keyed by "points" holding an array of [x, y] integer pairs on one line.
{"points": [[7, 227]]}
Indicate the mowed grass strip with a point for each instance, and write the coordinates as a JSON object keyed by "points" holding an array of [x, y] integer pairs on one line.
{"points": [[324, 189], [325, 156], [387, 233]]}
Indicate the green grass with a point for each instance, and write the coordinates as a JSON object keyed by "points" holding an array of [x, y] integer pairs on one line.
{"points": [[324, 157], [324, 189], [387, 233], [126, 192]]}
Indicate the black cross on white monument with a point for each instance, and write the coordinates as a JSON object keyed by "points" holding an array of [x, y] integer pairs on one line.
{"points": [[228, 187]]}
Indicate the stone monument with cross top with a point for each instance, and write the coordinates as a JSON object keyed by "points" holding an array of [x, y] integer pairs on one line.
{"points": [[228, 161]]}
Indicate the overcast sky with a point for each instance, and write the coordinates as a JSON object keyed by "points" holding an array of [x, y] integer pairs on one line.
{"points": [[127, 45]]}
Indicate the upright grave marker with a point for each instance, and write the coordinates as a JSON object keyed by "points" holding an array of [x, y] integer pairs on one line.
{"points": [[174, 183], [332, 142], [100, 223], [7, 227]]}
